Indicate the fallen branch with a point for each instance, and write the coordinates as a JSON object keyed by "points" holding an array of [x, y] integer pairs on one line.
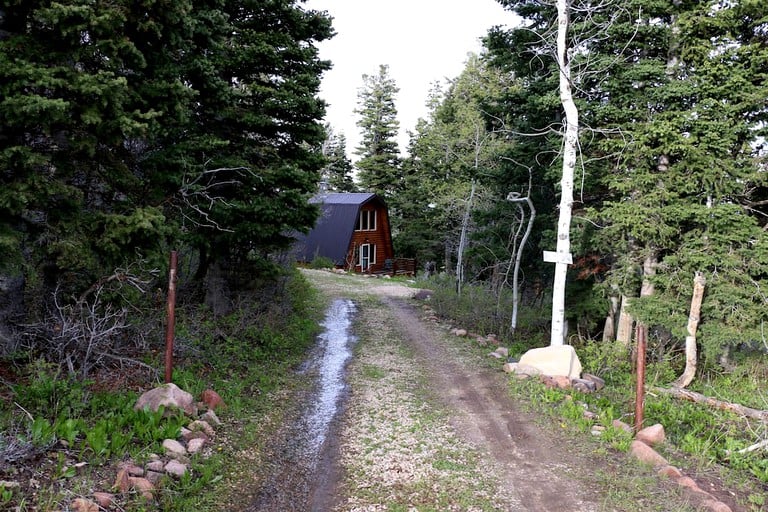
{"points": [[698, 398], [756, 446]]}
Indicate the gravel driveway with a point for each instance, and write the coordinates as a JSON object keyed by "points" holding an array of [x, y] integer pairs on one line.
{"points": [[426, 423]]}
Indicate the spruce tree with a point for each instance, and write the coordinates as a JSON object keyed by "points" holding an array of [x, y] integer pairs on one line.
{"points": [[337, 172], [128, 128], [379, 163]]}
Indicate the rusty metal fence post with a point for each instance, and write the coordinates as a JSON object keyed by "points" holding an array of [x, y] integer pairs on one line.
{"points": [[641, 333], [171, 322]]}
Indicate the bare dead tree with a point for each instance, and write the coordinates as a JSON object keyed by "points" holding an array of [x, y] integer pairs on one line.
{"points": [[86, 333]]}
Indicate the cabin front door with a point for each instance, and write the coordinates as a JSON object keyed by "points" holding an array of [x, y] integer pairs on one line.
{"points": [[365, 257]]}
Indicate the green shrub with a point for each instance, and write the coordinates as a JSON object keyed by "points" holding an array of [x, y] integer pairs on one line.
{"points": [[321, 262]]}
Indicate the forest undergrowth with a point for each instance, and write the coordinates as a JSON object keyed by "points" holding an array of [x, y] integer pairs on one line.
{"points": [[715, 442]]}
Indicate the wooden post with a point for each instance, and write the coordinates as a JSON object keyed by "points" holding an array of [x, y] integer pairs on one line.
{"points": [[170, 326], [641, 333]]}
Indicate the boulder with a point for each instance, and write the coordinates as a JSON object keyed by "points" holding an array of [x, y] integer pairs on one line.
{"points": [[122, 481], [584, 386], [597, 381], [556, 382], [173, 447], [156, 466], [652, 435], [143, 486], [202, 426], [670, 472], [715, 506], [646, 454], [502, 351], [169, 396], [622, 426], [521, 369], [84, 505], [176, 468], [210, 418], [154, 477], [558, 360], [212, 399], [195, 445], [104, 499]]}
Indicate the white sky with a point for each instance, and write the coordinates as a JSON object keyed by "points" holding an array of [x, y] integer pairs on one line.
{"points": [[422, 41]]}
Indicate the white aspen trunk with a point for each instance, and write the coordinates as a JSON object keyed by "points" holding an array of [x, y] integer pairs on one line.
{"points": [[518, 257], [625, 324], [609, 331], [690, 340], [570, 148], [463, 240], [649, 270]]}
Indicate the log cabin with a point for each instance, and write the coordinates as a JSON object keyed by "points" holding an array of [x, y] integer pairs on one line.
{"points": [[353, 231]]}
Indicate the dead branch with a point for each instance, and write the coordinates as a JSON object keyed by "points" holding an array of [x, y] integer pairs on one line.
{"points": [[722, 405], [752, 448], [200, 194]]}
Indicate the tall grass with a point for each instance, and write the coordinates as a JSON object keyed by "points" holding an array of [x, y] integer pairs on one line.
{"points": [[479, 310]]}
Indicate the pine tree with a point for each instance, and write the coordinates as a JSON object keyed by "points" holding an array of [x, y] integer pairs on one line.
{"points": [[337, 172], [379, 163], [452, 150], [130, 127]]}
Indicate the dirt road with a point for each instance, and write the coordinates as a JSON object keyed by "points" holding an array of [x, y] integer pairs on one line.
{"points": [[426, 423]]}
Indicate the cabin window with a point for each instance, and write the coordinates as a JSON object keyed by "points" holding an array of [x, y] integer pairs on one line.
{"points": [[366, 256], [367, 220]]}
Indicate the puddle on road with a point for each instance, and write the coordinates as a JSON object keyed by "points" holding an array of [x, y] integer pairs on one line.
{"points": [[302, 471], [335, 349]]}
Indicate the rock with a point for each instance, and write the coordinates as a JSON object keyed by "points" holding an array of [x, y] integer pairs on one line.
{"points": [[210, 418], [502, 351], [143, 486], [599, 383], [652, 435], [122, 481], [688, 483], [175, 468], [84, 505], [9, 484], [671, 472], [460, 332], [195, 445], [131, 468], [155, 465], [494, 354], [584, 386], [212, 399], [104, 499], [589, 415], [521, 369], [168, 396], [646, 454], [558, 360], [197, 434], [715, 506], [422, 294], [622, 426], [173, 447], [556, 382], [202, 426], [155, 476]]}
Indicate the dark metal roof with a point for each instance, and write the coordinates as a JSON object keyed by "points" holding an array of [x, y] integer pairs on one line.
{"points": [[334, 227], [356, 198]]}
